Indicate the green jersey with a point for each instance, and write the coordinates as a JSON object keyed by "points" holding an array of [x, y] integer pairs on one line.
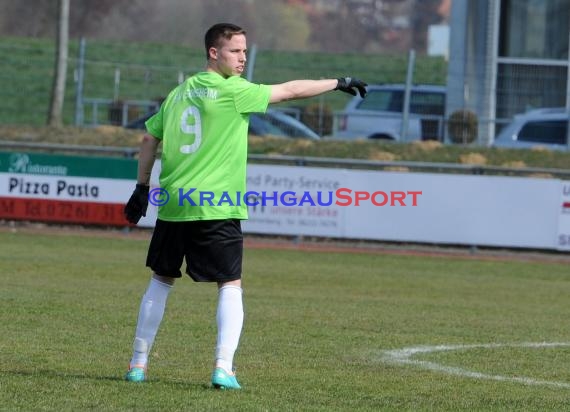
{"points": [[203, 126]]}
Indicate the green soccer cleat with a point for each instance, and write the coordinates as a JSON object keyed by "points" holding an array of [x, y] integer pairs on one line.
{"points": [[223, 380], [135, 374]]}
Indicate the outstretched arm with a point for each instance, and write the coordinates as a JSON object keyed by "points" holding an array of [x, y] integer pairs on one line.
{"points": [[301, 89]]}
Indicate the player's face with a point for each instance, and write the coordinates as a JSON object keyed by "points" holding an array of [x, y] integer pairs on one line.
{"points": [[229, 58]]}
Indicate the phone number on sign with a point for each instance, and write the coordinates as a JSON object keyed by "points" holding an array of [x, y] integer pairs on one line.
{"points": [[62, 211]]}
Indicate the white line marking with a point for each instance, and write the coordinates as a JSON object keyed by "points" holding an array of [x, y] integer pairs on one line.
{"points": [[404, 356]]}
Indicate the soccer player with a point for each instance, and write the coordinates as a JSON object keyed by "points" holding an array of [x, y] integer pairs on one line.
{"points": [[203, 127]]}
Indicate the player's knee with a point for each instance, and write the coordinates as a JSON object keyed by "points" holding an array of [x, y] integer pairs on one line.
{"points": [[235, 283], [163, 279]]}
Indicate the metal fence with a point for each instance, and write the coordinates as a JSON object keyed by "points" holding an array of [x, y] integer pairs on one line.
{"points": [[116, 83], [103, 71], [96, 112], [336, 163]]}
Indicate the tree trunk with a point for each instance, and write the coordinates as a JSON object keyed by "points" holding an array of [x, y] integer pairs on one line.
{"points": [[58, 89]]}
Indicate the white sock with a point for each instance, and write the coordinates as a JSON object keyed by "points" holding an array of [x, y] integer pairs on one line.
{"points": [[229, 318], [150, 315]]}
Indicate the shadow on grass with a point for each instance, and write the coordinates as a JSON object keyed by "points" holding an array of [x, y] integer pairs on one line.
{"points": [[46, 373]]}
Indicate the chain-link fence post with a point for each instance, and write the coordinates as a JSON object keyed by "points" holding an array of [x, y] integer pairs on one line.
{"points": [[79, 83]]}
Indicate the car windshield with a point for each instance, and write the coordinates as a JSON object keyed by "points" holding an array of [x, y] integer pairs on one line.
{"points": [[284, 125]]}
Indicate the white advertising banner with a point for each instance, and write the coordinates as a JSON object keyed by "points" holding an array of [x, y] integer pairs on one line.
{"points": [[404, 207], [296, 201], [459, 209], [81, 189], [274, 189]]}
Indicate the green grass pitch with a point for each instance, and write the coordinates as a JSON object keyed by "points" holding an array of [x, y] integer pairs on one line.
{"points": [[317, 330]]}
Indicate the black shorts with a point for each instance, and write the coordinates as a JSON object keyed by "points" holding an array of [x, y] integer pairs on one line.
{"points": [[213, 249]]}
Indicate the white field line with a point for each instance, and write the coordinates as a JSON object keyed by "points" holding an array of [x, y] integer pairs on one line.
{"points": [[404, 357]]}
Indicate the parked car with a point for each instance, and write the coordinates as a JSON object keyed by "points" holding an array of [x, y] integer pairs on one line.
{"points": [[547, 127], [277, 123], [379, 115], [272, 123]]}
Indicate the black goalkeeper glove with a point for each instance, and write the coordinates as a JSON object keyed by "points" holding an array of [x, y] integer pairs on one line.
{"points": [[137, 204], [349, 84]]}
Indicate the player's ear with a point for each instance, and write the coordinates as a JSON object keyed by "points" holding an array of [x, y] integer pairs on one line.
{"points": [[213, 53]]}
